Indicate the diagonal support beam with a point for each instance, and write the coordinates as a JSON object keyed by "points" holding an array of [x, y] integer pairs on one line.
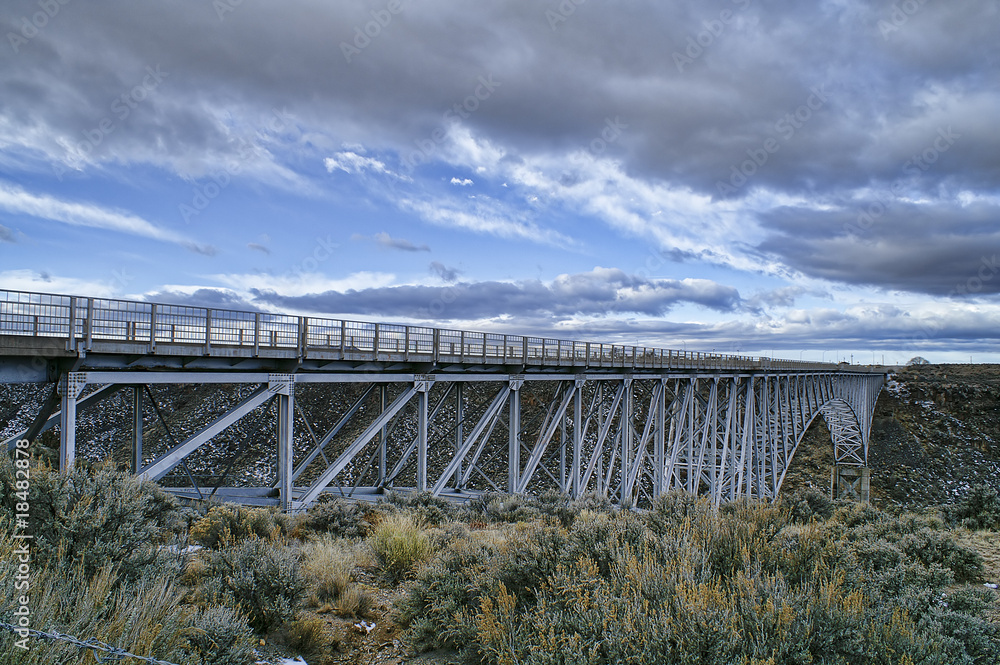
{"points": [[641, 451], [473, 462], [401, 464], [352, 450], [601, 437], [328, 437], [543, 440], [46, 419], [491, 412], [163, 464]]}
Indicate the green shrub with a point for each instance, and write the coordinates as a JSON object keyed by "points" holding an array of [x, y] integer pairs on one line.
{"points": [[808, 504], [440, 608], [682, 583], [335, 516], [503, 508], [399, 545], [978, 509], [428, 509], [220, 636], [260, 577], [93, 517], [228, 524]]}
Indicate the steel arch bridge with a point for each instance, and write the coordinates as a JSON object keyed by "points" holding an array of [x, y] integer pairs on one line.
{"points": [[452, 412]]}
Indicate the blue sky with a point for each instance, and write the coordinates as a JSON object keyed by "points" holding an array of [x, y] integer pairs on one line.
{"points": [[809, 180]]}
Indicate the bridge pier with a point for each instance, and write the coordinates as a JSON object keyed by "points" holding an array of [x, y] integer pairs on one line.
{"points": [[852, 483], [71, 385]]}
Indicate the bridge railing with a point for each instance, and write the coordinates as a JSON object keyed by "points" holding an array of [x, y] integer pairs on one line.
{"points": [[83, 321]]}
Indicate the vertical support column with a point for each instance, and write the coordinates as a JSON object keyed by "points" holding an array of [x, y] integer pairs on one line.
{"points": [[283, 385], [577, 438], [659, 442], [423, 386], [71, 339], [382, 441], [459, 429], [625, 492], [71, 385], [137, 428], [514, 430], [601, 489], [563, 485]]}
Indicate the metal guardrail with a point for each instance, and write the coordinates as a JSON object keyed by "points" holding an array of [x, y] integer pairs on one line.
{"points": [[84, 322]]}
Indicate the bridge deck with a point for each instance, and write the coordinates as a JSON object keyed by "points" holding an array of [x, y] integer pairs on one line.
{"points": [[99, 333]]}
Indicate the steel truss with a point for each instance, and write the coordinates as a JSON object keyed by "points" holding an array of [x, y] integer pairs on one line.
{"points": [[631, 437]]}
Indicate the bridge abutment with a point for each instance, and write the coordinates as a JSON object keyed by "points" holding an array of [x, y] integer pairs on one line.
{"points": [[852, 483]]}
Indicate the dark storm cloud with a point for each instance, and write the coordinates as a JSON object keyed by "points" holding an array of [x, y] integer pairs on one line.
{"points": [[444, 272], [208, 298], [699, 85], [595, 293], [870, 327], [934, 249], [822, 101]]}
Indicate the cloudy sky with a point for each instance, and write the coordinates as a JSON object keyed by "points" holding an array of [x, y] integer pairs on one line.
{"points": [[798, 179]]}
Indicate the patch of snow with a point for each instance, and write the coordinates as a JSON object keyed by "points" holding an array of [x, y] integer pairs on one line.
{"points": [[174, 549]]}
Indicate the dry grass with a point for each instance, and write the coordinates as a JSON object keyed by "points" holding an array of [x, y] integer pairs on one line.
{"points": [[400, 545], [145, 617], [328, 565]]}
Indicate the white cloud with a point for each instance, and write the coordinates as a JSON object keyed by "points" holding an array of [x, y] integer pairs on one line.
{"points": [[18, 201], [484, 215], [299, 283], [462, 183], [354, 163], [43, 282]]}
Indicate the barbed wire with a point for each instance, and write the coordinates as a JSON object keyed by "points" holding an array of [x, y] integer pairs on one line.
{"points": [[114, 654]]}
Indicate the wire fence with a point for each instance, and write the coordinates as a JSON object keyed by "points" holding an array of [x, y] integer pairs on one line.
{"points": [[103, 653]]}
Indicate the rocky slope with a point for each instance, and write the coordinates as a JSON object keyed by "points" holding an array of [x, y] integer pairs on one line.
{"points": [[936, 432]]}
